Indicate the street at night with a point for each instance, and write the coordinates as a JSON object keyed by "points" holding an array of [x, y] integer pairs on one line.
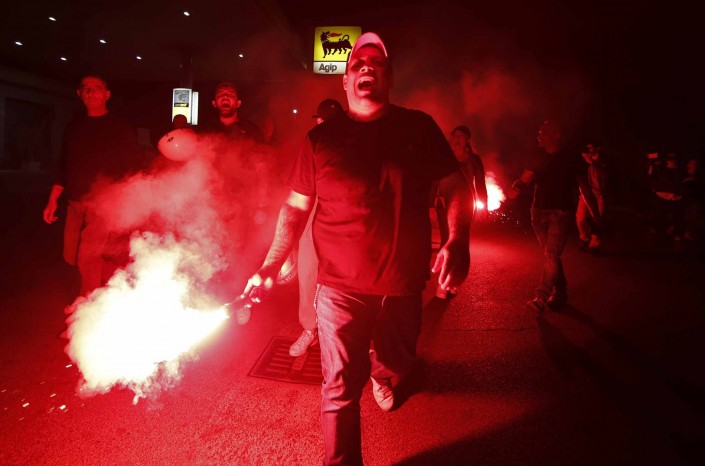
{"points": [[614, 378], [236, 233]]}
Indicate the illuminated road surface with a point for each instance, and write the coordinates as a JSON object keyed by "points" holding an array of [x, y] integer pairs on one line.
{"points": [[614, 379]]}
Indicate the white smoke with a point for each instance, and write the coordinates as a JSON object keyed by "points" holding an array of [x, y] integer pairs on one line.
{"points": [[135, 331]]}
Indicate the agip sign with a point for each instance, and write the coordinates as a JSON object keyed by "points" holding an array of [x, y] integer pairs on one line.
{"points": [[331, 47]]}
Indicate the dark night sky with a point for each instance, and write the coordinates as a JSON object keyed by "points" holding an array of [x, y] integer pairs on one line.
{"points": [[637, 64]]}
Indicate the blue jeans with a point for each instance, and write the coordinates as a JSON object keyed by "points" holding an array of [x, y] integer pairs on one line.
{"points": [[347, 324], [552, 228]]}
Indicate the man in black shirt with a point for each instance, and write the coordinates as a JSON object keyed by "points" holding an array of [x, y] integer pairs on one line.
{"points": [[246, 169], [227, 103], [99, 146], [474, 171], [371, 170], [556, 173]]}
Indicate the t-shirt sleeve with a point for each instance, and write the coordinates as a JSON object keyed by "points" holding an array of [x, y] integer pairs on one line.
{"points": [[302, 177], [441, 158]]}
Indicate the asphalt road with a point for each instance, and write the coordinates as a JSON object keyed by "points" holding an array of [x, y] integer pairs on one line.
{"points": [[615, 378]]}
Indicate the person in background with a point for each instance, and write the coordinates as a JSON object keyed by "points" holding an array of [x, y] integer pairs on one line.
{"points": [[98, 146], [246, 166], [666, 181], [557, 174], [474, 171], [472, 167], [180, 121], [307, 260], [694, 197], [227, 103], [590, 236]]}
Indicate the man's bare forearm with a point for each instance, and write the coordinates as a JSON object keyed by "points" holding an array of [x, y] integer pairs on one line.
{"points": [[290, 225], [456, 194], [588, 196], [458, 216], [56, 191]]}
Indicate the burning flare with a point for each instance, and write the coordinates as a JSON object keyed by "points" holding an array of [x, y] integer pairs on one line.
{"points": [[495, 195], [135, 331]]}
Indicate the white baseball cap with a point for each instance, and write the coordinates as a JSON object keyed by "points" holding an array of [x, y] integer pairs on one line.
{"points": [[368, 38]]}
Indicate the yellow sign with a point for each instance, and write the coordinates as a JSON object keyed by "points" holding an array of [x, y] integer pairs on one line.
{"points": [[331, 47]]}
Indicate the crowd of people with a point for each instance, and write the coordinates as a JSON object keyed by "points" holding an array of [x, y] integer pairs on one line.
{"points": [[357, 220]]}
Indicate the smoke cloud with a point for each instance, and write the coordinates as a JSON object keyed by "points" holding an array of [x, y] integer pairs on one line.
{"points": [[179, 245]]}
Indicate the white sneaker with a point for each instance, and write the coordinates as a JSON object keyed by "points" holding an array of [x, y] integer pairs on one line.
{"points": [[382, 391], [301, 345]]}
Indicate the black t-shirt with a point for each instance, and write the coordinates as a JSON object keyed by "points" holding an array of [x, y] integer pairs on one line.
{"points": [[239, 148], [556, 179], [241, 129], [95, 148], [371, 227]]}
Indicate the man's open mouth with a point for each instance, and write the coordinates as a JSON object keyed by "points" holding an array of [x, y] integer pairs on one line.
{"points": [[366, 83]]}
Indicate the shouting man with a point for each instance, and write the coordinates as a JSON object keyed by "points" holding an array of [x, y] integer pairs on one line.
{"points": [[371, 171]]}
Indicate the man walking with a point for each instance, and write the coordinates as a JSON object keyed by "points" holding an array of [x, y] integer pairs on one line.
{"points": [[590, 236], [556, 173], [97, 146], [371, 171]]}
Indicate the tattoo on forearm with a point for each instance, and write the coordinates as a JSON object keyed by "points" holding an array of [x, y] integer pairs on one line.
{"points": [[289, 227]]}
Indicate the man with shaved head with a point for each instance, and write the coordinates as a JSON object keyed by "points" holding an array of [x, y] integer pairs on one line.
{"points": [[371, 170], [556, 174], [97, 146]]}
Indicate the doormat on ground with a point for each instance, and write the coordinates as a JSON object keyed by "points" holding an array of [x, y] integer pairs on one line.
{"points": [[276, 364]]}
